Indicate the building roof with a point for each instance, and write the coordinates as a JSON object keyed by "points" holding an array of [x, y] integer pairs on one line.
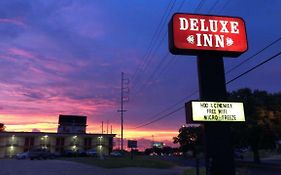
{"points": [[10, 133]]}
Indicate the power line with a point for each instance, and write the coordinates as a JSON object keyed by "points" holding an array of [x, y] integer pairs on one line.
{"points": [[153, 49], [228, 82], [214, 5], [164, 69], [160, 118], [167, 65], [149, 61], [253, 68], [225, 5], [181, 5], [151, 53], [156, 48], [145, 84], [170, 107], [153, 39], [257, 53], [150, 78], [201, 3]]}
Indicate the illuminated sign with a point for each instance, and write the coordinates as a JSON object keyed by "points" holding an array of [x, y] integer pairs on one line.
{"points": [[132, 144], [191, 33], [203, 111]]}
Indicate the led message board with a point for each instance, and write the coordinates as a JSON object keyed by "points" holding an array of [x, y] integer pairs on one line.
{"points": [[204, 111]]}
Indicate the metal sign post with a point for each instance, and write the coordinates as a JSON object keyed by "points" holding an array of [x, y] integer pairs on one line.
{"points": [[132, 144], [210, 38], [219, 151]]}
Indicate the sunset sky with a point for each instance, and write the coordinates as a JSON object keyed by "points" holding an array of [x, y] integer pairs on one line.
{"points": [[66, 57]]}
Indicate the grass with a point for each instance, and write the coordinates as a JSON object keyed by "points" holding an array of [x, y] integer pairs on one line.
{"points": [[263, 154], [192, 171], [202, 171], [122, 162], [243, 171]]}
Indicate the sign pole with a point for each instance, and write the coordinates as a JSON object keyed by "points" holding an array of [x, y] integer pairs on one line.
{"points": [[210, 38], [219, 151]]}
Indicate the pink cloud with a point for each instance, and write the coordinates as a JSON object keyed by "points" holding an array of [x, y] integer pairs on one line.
{"points": [[50, 63], [48, 101], [15, 21], [21, 52]]}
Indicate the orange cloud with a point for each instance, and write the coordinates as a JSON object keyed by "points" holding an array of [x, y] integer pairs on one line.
{"points": [[50, 123], [157, 135], [43, 127], [45, 123]]}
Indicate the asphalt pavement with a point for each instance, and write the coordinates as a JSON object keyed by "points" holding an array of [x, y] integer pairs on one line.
{"points": [[60, 167]]}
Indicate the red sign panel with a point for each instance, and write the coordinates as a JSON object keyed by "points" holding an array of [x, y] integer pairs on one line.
{"points": [[192, 34]]}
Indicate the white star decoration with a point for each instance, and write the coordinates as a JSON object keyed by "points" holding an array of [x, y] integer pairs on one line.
{"points": [[229, 41], [190, 39]]}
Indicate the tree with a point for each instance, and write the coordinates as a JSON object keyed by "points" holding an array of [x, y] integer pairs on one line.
{"points": [[148, 151], [263, 120], [190, 138], [2, 127], [167, 150]]}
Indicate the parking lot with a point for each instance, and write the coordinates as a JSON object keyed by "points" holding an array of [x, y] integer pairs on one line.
{"points": [[60, 167]]}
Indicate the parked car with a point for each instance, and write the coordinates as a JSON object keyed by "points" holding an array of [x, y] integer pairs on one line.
{"points": [[116, 154], [23, 155], [56, 154], [153, 154], [81, 153], [39, 154], [68, 153], [91, 152]]}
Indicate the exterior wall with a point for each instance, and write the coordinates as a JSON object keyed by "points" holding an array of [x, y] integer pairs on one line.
{"points": [[64, 128], [17, 142], [10, 145]]}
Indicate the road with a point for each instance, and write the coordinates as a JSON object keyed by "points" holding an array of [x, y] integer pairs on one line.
{"points": [[269, 166], [60, 167], [264, 170]]}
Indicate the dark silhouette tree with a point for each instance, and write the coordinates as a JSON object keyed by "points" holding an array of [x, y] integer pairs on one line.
{"points": [[263, 120], [190, 138], [167, 150], [2, 127]]}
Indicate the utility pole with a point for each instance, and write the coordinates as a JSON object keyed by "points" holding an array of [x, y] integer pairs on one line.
{"points": [[102, 127], [124, 98], [110, 129], [107, 127]]}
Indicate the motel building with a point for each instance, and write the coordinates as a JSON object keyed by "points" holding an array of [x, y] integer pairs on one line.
{"points": [[70, 137]]}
